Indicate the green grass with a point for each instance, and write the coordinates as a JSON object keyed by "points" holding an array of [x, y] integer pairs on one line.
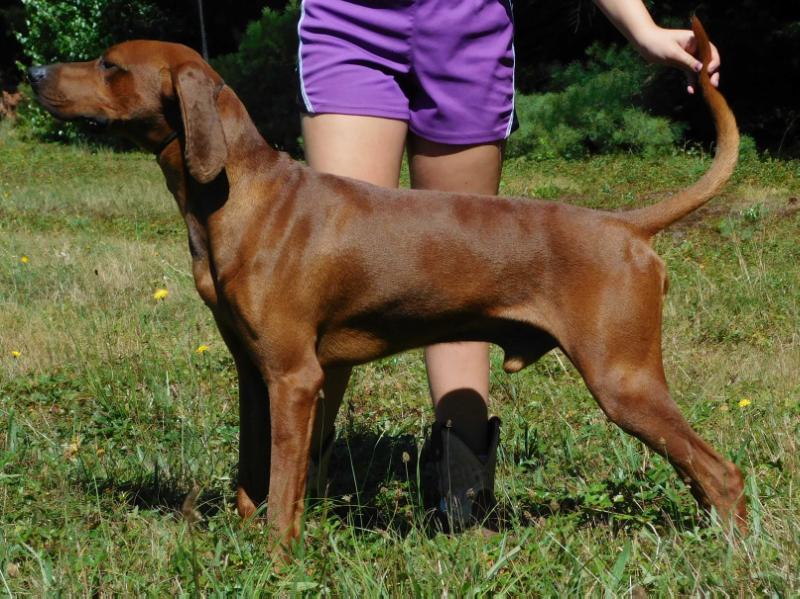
{"points": [[109, 417]]}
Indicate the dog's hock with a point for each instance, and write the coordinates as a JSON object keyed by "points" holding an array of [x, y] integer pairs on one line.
{"points": [[206, 151]]}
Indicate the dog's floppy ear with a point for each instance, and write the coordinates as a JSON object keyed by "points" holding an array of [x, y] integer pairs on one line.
{"points": [[205, 151]]}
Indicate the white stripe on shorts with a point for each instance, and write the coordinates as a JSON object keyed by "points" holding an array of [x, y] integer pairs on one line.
{"points": [[306, 101]]}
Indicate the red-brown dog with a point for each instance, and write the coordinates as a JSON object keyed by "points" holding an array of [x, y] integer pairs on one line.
{"points": [[307, 272]]}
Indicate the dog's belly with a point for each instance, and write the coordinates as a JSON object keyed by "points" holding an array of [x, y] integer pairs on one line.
{"points": [[373, 337]]}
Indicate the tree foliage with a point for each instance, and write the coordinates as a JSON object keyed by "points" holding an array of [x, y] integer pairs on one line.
{"points": [[263, 73]]}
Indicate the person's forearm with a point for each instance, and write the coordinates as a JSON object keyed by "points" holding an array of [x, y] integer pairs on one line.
{"points": [[673, 47], [630, 17]]}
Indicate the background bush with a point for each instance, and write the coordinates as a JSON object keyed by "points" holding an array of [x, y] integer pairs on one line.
{"points": [[82, 29], [263, 74], [593, 107]]}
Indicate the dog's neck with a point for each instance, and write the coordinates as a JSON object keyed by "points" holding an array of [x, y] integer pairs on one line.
{"points": [[249, 155]]}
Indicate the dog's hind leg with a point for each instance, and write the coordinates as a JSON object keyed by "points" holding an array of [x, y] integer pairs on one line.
{"points": [[619, 356], [254, 440], [636, 398], [323, 436]]}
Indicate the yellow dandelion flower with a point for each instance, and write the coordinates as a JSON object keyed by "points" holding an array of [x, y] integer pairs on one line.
{"points": [[743, 403], [15, 353], [201, 349], [160, 294], [24, 259]]}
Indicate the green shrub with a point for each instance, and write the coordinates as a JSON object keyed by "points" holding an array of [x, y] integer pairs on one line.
{"points": [[82, 29], [263, 73], [592, 110]]}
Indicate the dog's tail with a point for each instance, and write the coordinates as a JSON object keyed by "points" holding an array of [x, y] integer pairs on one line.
{"points": [[653, 219]]}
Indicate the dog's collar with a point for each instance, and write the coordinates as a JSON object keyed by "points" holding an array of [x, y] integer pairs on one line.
{"points": [[165, 142]]}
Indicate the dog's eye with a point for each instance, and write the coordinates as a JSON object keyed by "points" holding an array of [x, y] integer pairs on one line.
{"points": [[107, 65]]}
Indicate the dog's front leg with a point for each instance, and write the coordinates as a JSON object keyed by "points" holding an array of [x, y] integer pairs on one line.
{"points": [[254, 427], [293, 397]]}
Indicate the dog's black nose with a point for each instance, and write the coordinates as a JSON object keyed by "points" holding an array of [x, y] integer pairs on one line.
{"points": [[36, 74]]}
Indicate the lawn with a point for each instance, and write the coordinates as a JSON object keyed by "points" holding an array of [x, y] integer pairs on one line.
{"points": [[116, 406]]}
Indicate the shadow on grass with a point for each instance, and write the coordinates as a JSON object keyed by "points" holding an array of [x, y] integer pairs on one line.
{"points": [[373, 484], [157, 492], [627, 511], [376, 483]]}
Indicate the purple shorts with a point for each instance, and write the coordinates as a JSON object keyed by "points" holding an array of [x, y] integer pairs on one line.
{"points": [[444, 66]]}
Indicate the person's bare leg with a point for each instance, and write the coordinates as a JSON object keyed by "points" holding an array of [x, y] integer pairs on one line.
{"points": [[362, 147], [366, 148], [458, 373]]}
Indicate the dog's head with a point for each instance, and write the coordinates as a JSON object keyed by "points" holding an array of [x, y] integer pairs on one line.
{"points": [[146, 91]]}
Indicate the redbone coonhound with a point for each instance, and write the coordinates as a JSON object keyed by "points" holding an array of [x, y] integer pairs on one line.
{"points": [[308, 272]]}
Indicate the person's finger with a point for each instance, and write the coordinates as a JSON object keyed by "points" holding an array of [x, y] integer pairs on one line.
{"points": [[691, 82], [713, 66], [715, 63], [682, 58]]}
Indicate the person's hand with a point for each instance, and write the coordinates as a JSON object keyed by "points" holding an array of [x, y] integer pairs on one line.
{"points": [[677, 48]]}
